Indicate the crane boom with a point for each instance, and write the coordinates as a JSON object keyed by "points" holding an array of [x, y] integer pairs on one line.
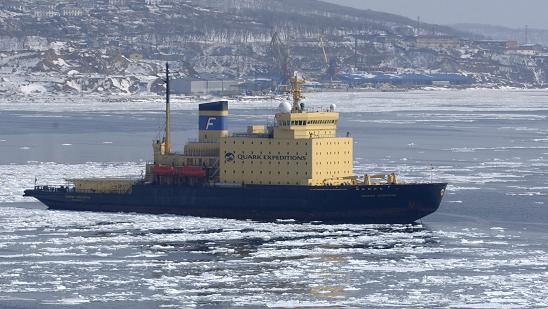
{"points": [[322, 45]]}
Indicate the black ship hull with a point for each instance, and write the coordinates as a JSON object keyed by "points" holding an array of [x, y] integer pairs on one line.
{"points": [[391, 203]]}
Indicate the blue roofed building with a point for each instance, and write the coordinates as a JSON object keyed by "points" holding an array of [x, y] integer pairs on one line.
{"points": [[420, 79]]}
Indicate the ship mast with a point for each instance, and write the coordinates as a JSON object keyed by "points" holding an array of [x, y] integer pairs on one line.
{"points": [[167, 140], [296, 91]]}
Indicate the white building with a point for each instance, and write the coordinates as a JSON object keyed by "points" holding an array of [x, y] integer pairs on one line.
{"points": [[45, 11], [72, 11]]}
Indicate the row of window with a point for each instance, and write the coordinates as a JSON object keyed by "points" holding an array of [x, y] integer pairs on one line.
{"points": [[304, 122], [269, 172], [269, 143], [329, 153], [270, 182], [328, 162], [333, 143], [334, 173]]}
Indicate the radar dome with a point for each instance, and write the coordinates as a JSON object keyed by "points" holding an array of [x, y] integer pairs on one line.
{"points": [[332, 107], [284, 107]]}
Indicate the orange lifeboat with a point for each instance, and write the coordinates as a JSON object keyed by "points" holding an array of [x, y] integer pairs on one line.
{"points": [[186, 170], [192, 171], [164, 170]]}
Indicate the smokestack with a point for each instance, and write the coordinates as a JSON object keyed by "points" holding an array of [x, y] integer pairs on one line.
{"points": [[212, 123]]}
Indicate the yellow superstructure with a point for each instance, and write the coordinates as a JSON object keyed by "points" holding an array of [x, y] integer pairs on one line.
{"points": [[301, 148], [106, 185]]}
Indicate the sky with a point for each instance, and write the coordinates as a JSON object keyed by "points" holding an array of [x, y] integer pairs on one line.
{"points": [[509, 13]]}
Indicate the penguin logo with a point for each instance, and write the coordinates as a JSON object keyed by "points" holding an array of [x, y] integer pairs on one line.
{"points": [[229, 157]]}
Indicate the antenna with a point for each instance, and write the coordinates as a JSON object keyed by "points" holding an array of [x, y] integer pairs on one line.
{"points": [[526, 34], [168, 116], [296, 91]]}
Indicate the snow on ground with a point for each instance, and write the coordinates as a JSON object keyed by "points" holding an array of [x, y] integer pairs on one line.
{"points": [[33, 88]]}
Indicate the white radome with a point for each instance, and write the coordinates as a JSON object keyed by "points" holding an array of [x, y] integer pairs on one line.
{"points": [[284, 107], [332, 107]]}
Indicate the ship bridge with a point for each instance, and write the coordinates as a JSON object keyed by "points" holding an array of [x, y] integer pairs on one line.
{"points": [[306, 125], [302, 148]]}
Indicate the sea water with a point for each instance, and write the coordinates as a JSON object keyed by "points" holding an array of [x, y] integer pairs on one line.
{"points": [[487, 246]]}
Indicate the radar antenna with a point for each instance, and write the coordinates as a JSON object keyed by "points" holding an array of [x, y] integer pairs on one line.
{"points": [[296, 92]]}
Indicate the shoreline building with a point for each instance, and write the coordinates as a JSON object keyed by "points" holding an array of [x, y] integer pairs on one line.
{"points": [[205, 86]]}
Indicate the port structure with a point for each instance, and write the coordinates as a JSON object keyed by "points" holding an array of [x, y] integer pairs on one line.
{"points": [[300, 148]]}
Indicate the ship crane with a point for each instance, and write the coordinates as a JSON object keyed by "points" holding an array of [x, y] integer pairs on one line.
{"points": [[322, 45], [330, 64]]}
